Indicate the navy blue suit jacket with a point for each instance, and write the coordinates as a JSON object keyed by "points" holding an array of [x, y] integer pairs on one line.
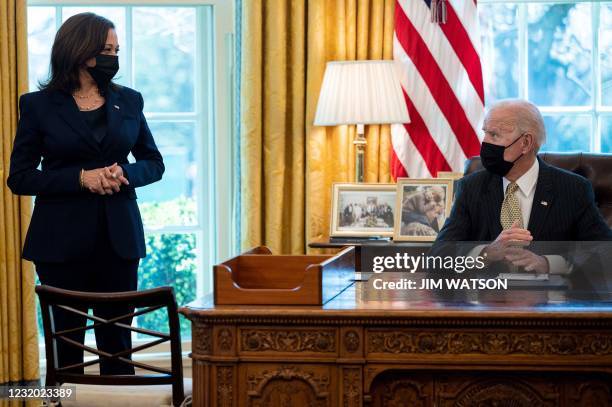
{"points": [[64, 223], [563, 209]]}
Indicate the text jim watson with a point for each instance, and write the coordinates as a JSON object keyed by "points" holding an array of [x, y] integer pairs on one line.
{"points": [[442, 283], [409, 264]]}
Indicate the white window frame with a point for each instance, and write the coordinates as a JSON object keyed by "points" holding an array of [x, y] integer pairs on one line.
{"points": [[595, 109], [216, 226]]}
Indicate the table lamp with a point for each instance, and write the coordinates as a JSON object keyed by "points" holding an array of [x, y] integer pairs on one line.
{"points": [[360, 92]]}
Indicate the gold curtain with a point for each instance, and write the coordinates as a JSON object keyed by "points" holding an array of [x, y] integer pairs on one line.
{"points": [[288, 165], [18, 333]]}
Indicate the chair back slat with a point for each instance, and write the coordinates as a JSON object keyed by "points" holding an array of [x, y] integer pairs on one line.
{"points": [[81, 365], [146, 302], [113, 321], [98, 324]]}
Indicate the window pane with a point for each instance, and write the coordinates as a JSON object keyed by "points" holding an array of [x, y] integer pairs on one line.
{"points": [[499, 50], [567, 133], [605, 38], [41, 31], [164, 57], [172, 201], [559, 54], [117, 16], [171, 261], [606, 134]]}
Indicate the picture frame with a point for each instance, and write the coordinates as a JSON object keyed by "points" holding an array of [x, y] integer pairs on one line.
{"points": [[450, 175], [363, 210], [455, 176], [422, 206]]}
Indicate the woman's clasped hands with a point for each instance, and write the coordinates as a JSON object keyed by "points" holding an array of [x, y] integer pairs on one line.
{"points": [[104, 181]]}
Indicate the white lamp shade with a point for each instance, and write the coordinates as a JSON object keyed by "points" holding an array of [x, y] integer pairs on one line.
{"points": [[361, 92]]}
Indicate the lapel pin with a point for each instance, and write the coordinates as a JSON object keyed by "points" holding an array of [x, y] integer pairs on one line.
{"points": [[116, 107], [544, 203]]}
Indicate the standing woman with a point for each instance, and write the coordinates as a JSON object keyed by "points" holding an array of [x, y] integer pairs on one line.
{"points": [[86, 232]]}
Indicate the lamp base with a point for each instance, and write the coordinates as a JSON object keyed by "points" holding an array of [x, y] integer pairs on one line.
{"points": [[360, 144]]}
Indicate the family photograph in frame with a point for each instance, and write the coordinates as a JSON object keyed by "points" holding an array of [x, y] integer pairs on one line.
{"points": [[363, 210], [422, 208]]}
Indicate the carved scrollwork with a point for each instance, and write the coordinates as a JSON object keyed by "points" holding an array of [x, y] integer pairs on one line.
{"points": [[202, 339], [404, 393], [510, 343], [256, 383], [510, 393], [288, 394], [262, 340], [351, 341]]}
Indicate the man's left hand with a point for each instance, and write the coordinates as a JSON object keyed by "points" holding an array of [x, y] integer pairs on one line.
{"points": [[528, 260]]}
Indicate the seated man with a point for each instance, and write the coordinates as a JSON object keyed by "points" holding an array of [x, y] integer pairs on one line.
{"points": [[518, 198]]}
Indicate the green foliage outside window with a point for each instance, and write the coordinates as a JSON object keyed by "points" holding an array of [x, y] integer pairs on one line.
{"points": [[171, 261]]}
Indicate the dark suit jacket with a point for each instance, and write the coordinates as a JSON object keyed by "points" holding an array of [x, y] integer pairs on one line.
{"points": [[64, 223], [563, 209]]}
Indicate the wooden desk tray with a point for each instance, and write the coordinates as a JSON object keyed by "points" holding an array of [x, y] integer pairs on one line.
{"points": [[258, 277]]}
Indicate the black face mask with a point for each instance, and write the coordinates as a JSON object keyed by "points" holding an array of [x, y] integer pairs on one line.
{"points": [[492, 157], [106, 68]]}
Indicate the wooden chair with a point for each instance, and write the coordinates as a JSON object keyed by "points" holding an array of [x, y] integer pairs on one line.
{"points": [[144, 302]]}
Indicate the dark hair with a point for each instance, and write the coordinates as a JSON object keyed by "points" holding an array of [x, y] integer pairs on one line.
{"points": [[81, 37]]}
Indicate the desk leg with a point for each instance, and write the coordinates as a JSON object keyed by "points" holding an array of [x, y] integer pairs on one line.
{"points": [[214, 384], [201, 382]]}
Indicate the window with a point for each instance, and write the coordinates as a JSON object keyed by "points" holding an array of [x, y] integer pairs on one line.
{"points": [[557, 55], [178, 55]]}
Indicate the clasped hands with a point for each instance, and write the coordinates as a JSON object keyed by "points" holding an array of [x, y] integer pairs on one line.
{"points": [[509, 246], [104, 181]]}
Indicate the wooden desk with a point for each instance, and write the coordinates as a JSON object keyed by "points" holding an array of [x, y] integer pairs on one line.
{"points": [[530, 348]]}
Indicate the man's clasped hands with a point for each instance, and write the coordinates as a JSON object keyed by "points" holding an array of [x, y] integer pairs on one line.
{"points": [[509, 247]]}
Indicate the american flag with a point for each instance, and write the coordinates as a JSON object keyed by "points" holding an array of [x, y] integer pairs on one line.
{"points": [[439, 67]]}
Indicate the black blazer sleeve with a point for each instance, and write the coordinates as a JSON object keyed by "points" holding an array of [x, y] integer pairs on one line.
{"points": [[149, 165], [24, 177]]}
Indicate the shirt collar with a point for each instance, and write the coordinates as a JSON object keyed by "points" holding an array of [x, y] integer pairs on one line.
{"points": [[527, 181]]}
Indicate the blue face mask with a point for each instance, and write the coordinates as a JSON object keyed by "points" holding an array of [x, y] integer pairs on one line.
{"points": [[492, 157]]}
